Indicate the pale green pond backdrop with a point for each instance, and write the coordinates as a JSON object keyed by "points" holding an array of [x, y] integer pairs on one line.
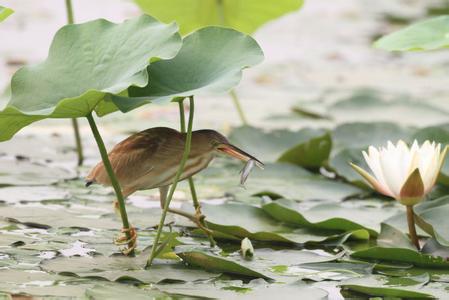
{"points": [[321, 96]]}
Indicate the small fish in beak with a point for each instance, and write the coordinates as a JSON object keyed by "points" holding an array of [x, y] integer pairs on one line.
{"points": [[250, 160], [246, 170]]}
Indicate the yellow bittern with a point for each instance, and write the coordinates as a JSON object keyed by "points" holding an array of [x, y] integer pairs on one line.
{"points": [[150, 159]]}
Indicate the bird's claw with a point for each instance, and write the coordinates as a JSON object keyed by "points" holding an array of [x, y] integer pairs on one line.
{"points": [[124, 240], [199, 220]]}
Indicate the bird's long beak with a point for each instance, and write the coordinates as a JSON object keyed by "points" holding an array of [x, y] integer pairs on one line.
{"points": [[238, 153]]}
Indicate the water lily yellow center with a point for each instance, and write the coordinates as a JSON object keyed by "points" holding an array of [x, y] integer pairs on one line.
{"points": [[402, 172]]}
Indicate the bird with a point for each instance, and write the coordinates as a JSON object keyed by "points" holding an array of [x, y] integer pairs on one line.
{"points": [[150, 159]]}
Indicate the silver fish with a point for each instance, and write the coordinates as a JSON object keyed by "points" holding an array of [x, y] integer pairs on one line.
{"points": [[246, 170]]}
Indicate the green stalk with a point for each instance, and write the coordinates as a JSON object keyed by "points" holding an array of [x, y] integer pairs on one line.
{"points": [[196, 203], [411, 226], [238, 106], [235, 99], [113, 178], [185, 156], [76, 131]]}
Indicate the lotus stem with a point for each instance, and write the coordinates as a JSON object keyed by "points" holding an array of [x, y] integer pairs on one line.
{"points": [[185, 156], [196, 203], [411, 226], [114, 181], [79, 146], [76, 131], [238, 106]]}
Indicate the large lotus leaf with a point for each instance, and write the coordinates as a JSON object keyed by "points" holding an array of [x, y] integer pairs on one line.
{"points": [[306, 147], [346, 216], [243, 15], [211, 60], [5, 12], [429, 34], [85, 62]]}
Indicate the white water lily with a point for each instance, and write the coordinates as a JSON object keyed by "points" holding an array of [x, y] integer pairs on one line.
{"points": [[406, 174]]}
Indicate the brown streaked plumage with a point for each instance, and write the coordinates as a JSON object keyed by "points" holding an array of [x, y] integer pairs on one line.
{"points": [[150, 158]]}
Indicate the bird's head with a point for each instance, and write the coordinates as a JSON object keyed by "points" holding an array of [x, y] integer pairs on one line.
{"points": [[216, 142]]}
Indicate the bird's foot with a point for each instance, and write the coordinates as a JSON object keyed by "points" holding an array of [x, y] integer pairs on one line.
{"points": [[123, 239], [199, 221]]}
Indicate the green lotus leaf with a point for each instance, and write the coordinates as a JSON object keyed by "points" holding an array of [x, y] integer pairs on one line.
{"points": [[5, 12], [210, 61], [243, 15], [85, 62], [429, 34]]}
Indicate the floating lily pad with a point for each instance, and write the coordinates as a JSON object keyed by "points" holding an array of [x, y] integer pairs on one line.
{"points": [[114, 292], [279, 180], [382, 286], [240, 220], [260, 266], [306, 147], [347, 216], [22, 173]]}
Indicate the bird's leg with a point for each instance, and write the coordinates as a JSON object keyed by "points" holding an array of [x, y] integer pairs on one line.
{"points": [[196, 218], [198, 214], [123, 239]]}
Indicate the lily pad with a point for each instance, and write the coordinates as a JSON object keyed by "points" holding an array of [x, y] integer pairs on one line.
{"points": [[210, 61], [347, 216], [114, 292], [377, 285], [277, 180], [85, 62], [256, 224], [260, 266], [26, 173], [245, 16], [429, 34], [236, 289], [306, 147], [432, 216]]}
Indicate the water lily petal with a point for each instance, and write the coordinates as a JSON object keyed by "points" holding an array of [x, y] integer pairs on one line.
{"points": [[372, 181], [373, 161]]}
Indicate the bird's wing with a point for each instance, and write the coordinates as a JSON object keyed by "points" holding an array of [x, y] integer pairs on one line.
{"points": [[149, 151], [145, 152]]}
